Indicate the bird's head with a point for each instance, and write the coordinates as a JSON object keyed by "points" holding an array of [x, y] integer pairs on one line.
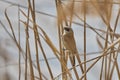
{"points": [[68, 30]]}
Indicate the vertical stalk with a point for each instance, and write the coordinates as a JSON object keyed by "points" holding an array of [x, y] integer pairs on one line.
{"points": [[26, 61], [35, 37], [60, 32], [28, 54], [71, 12], [85, 77], [19, 61], [32, 9], [102, 68]]}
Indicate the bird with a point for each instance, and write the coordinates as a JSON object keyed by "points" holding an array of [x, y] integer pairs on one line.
{"points": [[69, 43]]}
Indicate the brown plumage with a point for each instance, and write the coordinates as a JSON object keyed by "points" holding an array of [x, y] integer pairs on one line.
{"points": [[69, 43]]}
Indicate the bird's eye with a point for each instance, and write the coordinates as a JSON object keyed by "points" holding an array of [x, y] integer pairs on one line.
{"points": [[67, 29]]}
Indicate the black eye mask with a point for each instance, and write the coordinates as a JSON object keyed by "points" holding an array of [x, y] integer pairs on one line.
{"points": [[67, 29]]}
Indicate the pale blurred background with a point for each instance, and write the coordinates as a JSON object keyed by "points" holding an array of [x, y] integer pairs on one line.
{"points": [[9, 51]]}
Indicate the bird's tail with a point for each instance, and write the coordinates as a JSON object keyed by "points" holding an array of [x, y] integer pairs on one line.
{"points": [[72, 58]]}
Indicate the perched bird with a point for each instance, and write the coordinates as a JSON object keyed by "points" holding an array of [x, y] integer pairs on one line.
{"points": [[69, 43]]}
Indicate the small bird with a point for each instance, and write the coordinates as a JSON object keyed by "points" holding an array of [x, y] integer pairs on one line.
{"points": [[69, 43]]}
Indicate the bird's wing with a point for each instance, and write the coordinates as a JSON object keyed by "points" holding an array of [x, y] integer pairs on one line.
{"points": [[69, 42]]}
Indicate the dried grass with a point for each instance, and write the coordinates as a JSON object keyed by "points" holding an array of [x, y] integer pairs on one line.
{"points": [[66, 11]]}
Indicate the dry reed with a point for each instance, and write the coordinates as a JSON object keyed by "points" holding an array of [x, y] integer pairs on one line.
{"points": [[107, 39]]}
